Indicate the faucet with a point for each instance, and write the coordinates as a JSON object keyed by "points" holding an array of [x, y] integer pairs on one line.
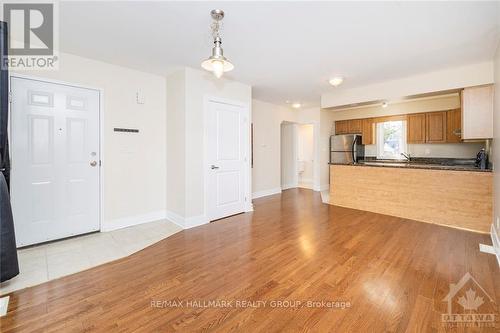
{"points": [[407, 156]]}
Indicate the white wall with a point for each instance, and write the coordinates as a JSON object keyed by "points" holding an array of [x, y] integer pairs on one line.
{"points": [[289, 177], [442, 80], [176, 144], [133, 164], [186, 148], [305, 153], [327, 119], [267, 119]]}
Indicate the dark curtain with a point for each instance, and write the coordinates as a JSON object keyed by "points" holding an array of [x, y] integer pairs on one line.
{"points": [[9, 266]]}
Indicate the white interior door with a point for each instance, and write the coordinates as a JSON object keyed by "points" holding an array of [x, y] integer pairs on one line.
{"points": [[227, 160], [55, 160]]}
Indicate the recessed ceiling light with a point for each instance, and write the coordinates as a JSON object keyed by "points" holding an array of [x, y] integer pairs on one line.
{"points": [[336, 81], [296, 105], [385, 104]]}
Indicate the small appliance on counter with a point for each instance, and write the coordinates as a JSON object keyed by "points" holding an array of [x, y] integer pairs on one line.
{"points": [[346, 149], [482, 159]]}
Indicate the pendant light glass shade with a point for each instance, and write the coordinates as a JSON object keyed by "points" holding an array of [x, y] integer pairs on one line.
{"points": [[217, 63]]}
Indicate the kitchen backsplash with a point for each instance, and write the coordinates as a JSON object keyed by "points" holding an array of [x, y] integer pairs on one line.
{"points": [[451, 150]]}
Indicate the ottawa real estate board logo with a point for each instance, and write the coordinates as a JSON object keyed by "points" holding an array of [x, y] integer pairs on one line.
{"points": [[32, 41], [469, 305]]}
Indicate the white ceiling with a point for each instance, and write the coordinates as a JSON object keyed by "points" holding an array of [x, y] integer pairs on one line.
{"points": [[286, 50]]}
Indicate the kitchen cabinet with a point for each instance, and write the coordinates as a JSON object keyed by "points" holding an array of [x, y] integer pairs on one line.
{"points": [[416, 131], [454, 126], [368, 132], [355, 126], [342, 127], [435, 127], [477, 112]]}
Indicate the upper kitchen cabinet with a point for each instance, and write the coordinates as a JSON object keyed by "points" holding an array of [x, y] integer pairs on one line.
{"points": [[454, 126], [352, 126], [342, 127], [477, 112], [368, 132], [355, 126], [416, 128], [435, 125]]}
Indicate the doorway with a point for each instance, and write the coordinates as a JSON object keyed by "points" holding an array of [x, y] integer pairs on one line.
{"points": [[299, 163], [55, 146]]}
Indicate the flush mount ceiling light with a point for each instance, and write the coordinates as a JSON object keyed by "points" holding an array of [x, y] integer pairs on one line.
{"points": [[217, 63], [336, 81], [296, 105]]}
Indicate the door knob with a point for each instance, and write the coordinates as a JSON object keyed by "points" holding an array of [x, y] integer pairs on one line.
{"points": [[213, 167], [93, 163]]}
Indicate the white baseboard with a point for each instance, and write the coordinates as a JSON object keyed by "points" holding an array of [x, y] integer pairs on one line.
{"points": [[496, 243], [265, 193], [175, 218], [133, 220], [4, 305], [306, 183], [287, 186], [186, 222], [194, 221], [324, 187]]}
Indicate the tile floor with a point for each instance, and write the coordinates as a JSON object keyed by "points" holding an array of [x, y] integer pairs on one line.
{"points": [[50, 261]]}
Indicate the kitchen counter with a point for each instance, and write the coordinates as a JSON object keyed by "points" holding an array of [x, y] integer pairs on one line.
{"points": [[422, 163], [437, 194]]}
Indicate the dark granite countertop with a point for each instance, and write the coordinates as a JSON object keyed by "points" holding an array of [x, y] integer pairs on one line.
{"points": [[422, 163]]}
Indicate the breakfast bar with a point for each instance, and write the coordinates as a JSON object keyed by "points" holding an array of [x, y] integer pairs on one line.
{"points": [[456, 196]]}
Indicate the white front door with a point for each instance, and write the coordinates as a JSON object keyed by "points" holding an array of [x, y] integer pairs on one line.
{"points": [[227, 159], [55, 160]]}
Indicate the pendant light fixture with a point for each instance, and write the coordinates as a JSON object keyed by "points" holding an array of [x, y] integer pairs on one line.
{"points": [[217, 63]]}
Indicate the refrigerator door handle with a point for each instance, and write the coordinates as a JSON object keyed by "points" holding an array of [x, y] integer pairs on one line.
{"points": [[353, 150]]}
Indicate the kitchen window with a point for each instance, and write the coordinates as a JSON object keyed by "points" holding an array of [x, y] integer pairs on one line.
{"points": [[391, 139]]}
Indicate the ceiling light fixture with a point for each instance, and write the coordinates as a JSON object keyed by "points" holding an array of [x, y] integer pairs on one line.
{"points": [[217, 63], [296, 105], [336, 81]]}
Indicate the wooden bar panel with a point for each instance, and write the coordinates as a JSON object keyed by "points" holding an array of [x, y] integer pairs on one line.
{"points": [[460, 199]]}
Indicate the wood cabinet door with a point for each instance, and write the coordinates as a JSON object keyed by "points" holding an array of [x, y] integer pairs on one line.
{"points": [[342, 127], [368, 132], [454, 126], [435, 128], [355, 126], [416, 128]]}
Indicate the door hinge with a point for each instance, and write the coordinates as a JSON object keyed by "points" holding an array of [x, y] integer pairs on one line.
{"points": [[10, 96], [100, 163], [246, 199]]}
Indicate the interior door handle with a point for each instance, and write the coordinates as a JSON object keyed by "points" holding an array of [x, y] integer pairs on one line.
{"points": [[93, 163], [213, 167]]}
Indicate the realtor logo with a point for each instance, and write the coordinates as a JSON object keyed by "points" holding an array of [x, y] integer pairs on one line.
{"points": [[32, 35], [469, 305]]}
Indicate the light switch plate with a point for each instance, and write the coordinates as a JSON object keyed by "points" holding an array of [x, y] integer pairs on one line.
{"points": [[139, 96]]}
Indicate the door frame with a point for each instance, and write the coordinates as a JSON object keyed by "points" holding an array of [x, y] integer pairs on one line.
{"points": [[247, 165], [316, 180], [101, 127]]}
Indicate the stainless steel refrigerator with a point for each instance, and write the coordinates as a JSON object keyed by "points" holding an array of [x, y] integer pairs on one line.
{"points": [[346, 149]]}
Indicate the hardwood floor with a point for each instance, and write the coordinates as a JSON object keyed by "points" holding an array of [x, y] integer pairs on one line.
{"points": [[391, 273]]}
